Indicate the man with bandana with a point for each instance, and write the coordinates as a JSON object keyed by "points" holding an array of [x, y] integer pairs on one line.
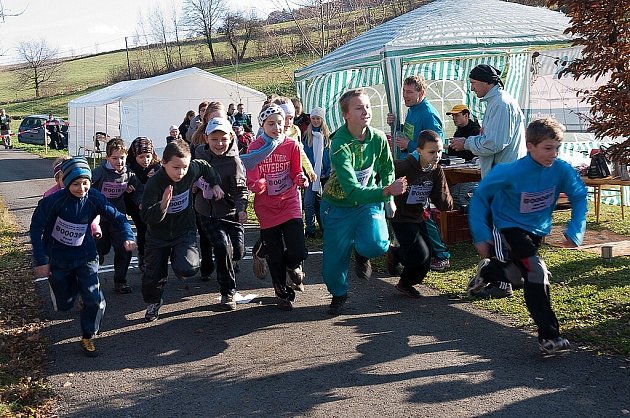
{"points": [[502, 137], [501, 140]]}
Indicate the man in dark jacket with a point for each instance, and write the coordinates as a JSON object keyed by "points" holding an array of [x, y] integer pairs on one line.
{"points": [[465, 127]]}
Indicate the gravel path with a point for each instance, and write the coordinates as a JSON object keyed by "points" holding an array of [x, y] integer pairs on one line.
{"points": [[386, 356]]}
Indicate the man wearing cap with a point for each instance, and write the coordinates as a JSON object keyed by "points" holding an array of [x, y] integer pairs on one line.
{"points": [[420, 116], [502, 138], [465, 127]]}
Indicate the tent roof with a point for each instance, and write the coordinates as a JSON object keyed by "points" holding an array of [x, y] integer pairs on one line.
{"points": [[447, 25], [119, 91]]}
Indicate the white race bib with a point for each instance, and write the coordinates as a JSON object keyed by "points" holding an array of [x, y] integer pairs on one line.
{"points": [[69, 233], [113, 190], [363, 176], [536, 201], [419, 193], [278, 183], [178, 203]]}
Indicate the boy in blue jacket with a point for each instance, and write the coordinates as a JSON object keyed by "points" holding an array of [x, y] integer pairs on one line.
{"points": [[511, 210], [64, 250]]}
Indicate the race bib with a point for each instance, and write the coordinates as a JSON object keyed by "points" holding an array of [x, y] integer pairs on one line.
{"points": [[205, 188], [363, 176], [178, 202], [113, 190], [278, 183], [534, 202], [68, 233], [419, 193]]}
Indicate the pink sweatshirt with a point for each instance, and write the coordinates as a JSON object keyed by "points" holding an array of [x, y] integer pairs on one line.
{"points": [[95, 226], [281, 200]]}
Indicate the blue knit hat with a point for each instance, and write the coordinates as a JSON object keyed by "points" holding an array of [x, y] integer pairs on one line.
{"points": [[74, 168]]}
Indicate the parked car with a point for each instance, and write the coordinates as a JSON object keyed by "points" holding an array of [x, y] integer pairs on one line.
{"points": [[33, 130]]}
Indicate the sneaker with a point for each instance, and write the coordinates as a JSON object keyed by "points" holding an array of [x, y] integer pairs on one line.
{"points": [[476, 283], [410, 291], [554, 345], [228, 303], [153, 311], [122, 288], [440, 265], [284, 304], [87, 345], [393, 266], [362, 266], [495, 290], [295, 278], [259, 263], [336, 304]]}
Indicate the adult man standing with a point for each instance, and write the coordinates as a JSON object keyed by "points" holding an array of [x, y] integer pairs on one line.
{"points": [[502, 138], [54, 132], [466, 127], [420, 116], [243, 118]]}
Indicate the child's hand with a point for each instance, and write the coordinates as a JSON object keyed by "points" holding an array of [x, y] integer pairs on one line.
{"points": [[151, 173], [166, 197], [483, 249], [195, 189], [301, 181], [130, 245], [260, 186], [312, 177], [218, 192], [242, 217], [398, 187], [41, 271], [130, 189]]}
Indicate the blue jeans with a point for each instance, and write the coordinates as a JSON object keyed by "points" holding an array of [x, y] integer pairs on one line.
{"points": [[438, 248], [362, 227], [311, 205], [78, 277]]}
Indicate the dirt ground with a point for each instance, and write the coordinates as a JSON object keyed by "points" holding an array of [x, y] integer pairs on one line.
{"points": [[594, 240]]}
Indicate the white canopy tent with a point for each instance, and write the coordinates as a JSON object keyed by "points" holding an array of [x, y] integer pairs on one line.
{"points": [[147, 107]]}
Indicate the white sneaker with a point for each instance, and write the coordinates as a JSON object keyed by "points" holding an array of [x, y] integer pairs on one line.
{"points": [[153, 311], [295, 278], [554, 345]]}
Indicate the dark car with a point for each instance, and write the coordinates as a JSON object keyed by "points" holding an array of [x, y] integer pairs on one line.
{"points": [[33, 130]]}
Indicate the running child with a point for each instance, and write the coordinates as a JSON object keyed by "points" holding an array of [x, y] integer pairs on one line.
{"points": [[317, 149], [66, 254], [222, 220], [352, 205], [274, 173], [167, 209], [510, 214], [114, 180], [143, 162], [426, 181]]}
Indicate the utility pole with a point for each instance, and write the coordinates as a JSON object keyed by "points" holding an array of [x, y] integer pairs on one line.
{"points": [[128, 63]]}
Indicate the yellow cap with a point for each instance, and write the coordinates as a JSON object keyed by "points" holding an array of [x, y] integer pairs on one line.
{"points": [[457, 109]]}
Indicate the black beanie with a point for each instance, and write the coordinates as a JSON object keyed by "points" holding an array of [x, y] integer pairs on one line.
{"points": [[487, 74]]}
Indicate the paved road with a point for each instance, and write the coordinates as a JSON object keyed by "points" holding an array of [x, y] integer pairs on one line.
{"points": [[386, 356]]}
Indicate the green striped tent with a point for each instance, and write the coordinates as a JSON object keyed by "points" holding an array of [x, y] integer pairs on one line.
{"points": [[442, 41]]}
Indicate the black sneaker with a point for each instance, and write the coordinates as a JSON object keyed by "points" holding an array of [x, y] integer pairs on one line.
{"points": [[336, 305], [477, 283], [362, 266], [153, 311], [393, 266], [122, 288], [228, 303], [410, 291], [284, 304], [494, 290]]}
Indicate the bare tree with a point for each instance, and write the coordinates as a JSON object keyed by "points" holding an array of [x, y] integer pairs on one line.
{"points": [[40, 64], [160, 34], [175, 22], [4, 13], [239, 30], [202, 17]]}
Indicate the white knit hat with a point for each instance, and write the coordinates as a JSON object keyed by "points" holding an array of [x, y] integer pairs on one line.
{"points": [[319, 112]]}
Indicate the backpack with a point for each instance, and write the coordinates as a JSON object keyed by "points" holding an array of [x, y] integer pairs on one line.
{"points": [[462, 194], [598, 169]]}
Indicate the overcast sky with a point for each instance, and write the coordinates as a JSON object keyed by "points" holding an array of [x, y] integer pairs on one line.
{"points": [[88, 26]]}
